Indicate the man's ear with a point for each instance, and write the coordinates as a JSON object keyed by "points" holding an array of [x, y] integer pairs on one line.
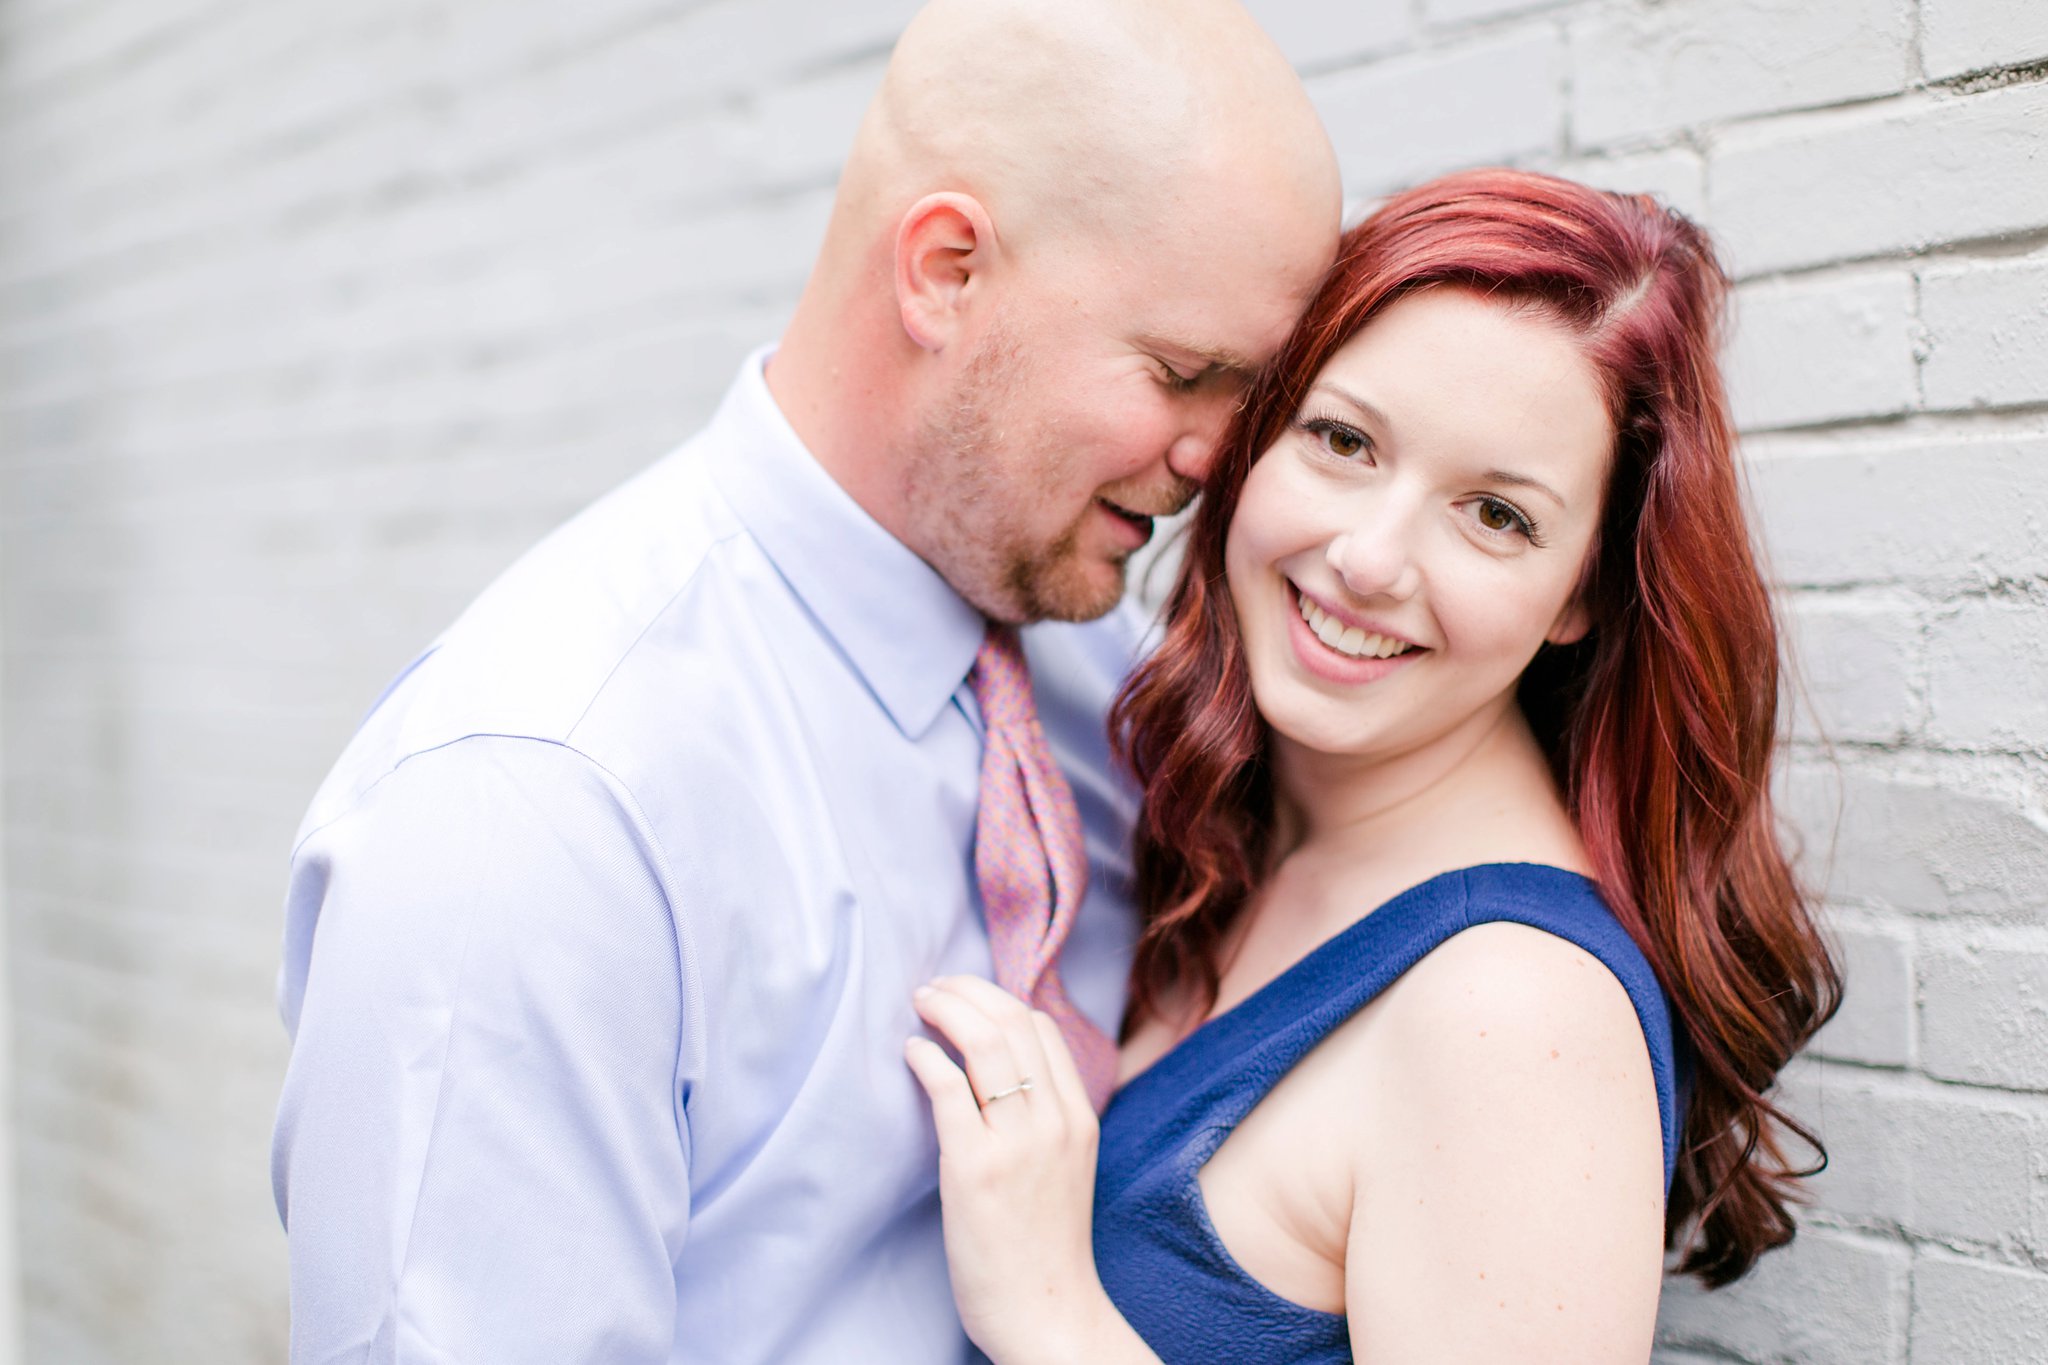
{"points": [[944, 242]]}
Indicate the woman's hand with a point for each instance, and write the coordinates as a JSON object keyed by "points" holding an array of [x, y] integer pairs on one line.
{"points": [[1016, 1173]]}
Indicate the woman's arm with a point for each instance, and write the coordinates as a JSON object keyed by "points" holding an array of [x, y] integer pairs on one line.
{"points": [[1512, 1207], [1017, 1181]]}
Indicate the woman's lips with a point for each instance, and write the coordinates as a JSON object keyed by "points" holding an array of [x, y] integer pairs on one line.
{"points": [[1331, 664]]}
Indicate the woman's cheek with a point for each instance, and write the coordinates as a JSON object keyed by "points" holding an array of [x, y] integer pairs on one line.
{"points": [[1495, 627]]}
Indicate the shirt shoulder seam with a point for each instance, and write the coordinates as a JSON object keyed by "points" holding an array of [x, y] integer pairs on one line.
{"points": [[738, 531], [643, 829]]}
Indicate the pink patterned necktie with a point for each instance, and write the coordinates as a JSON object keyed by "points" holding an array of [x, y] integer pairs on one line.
{"points": [[1029, 856]]}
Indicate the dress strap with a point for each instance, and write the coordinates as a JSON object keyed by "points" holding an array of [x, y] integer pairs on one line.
{"points": [[1219, 1073]]}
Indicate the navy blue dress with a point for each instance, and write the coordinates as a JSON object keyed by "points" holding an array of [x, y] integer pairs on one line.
{"points": [[1157, 1251]]}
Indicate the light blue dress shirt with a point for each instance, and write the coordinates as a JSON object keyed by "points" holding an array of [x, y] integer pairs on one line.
{"points": [[601, 936]]}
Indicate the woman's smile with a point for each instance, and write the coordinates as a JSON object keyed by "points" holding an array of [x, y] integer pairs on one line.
{"points": [[1340, 649]]}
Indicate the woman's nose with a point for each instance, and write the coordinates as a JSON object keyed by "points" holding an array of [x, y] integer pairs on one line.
{"points": [[1376, 558]]}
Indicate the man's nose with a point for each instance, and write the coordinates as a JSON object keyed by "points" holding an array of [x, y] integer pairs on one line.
{"points": [[1192, 455]]}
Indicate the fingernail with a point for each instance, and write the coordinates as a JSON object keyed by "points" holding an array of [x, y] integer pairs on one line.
{"points": [[923, 993]]}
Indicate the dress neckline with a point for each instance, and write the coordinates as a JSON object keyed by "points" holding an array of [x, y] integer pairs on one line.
{"points": [[1250, 1013]]}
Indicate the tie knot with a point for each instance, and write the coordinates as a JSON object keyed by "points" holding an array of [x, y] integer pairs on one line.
{"points": [[1000, 680]]}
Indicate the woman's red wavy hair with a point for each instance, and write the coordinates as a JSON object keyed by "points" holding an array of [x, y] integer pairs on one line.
{"points": [[1660, 725]]}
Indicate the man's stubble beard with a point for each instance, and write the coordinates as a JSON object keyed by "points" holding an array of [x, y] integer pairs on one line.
{"points": [[973, 464]]}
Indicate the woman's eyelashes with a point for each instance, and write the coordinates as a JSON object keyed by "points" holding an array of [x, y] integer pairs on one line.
{"points": [[1497, 516], [1337, 438]]}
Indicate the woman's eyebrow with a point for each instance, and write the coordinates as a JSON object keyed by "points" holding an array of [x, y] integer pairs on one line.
{"points": [[1365, 408], [1509, 476], [1379, 419]]}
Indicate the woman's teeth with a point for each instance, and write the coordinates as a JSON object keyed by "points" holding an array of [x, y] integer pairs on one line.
{"points": [[1348, 639]]}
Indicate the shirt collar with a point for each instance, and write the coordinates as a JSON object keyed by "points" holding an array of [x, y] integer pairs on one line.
{"points": [[910, 636]]}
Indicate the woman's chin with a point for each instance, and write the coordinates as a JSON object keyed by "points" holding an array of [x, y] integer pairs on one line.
{"points": [[1315, 724]]}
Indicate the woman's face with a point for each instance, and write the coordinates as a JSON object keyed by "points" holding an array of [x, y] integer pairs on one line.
{"points": [[1399, 555]]}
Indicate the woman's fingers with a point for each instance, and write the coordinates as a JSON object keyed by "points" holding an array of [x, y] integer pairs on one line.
{"points": [[1017, 1174], [1014, 1018], [994, 1042], [1063, 1074], [954, 1111]]}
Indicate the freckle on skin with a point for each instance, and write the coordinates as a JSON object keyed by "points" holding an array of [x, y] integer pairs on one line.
{"points": [[1553, 1054]]}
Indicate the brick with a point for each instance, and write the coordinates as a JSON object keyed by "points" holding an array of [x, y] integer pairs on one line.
{"points": [[1976, 1165], [1918, 845], [1904, 510], [1889, 178], [750, 39], [1874, 1026], [1449, 12], [1958, 36], [1830, 1298], [723, 46], [1932, 1161], [1984, 1013], [1987, 334], [1988, 678], [1808, 351], [1853, 666], [1676, 175], [1639, 70], [1972, 1311], [1392, 125], [1316, 36], [799, 134]]}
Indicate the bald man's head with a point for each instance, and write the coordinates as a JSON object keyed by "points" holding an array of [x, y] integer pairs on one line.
{"points": [[1067, 116], [1066, 232]]}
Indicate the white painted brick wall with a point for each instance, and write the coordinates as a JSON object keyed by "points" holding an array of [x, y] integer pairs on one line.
{"points": [[1988, 684], [1875, 1024], [1962, 36], [1881, 179], [1497, 96], [1987, 333], [1640, 70], [313, 315], [1317, 35], [1812, 350], [1859, 656], [1831, 1298], [1966, 1310], [1984, 1009]]}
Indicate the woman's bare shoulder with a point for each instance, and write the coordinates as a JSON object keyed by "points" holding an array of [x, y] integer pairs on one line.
{"points": [[1520, 1193], [1504, 1003]]}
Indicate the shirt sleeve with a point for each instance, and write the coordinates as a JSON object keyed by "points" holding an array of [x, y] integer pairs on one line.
{"points": [[480, 1153]]}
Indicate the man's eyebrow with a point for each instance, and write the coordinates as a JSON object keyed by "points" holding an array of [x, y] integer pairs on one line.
{"points": [[1221, 357]]}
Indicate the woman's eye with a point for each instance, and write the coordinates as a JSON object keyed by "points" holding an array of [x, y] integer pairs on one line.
{"points": [[1342, 441], [1503, 517]]}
